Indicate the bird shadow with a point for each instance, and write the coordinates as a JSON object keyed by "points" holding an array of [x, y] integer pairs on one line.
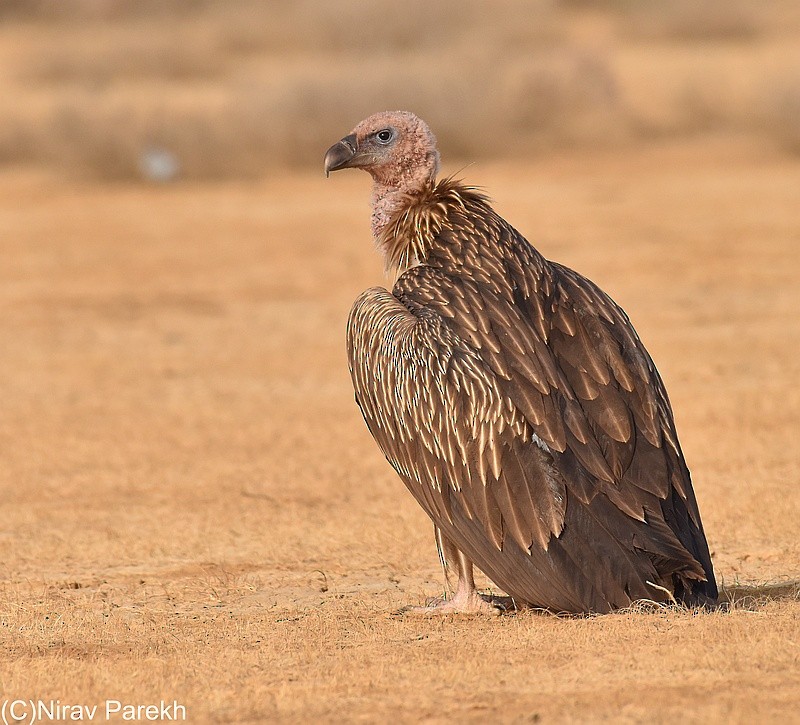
{"points": [[749, 596], [732, 597]]}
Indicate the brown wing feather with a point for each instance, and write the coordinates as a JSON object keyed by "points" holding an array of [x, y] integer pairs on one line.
{"points": [[519, 406], [418, 384]]}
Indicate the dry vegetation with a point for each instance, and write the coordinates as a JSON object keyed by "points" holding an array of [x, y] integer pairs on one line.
{"points": [[242, 87], [192, 508]]}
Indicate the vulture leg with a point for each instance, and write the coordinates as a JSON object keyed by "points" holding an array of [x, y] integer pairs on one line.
{"points": [[466, 599]]}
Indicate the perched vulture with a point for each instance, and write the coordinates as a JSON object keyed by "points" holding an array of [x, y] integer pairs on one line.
{"points": [[514, 399]]}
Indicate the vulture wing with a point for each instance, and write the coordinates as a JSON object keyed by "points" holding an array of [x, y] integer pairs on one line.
{"points": [[517, 403]]}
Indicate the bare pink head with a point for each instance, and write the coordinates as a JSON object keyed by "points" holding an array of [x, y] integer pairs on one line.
{"points": [[395, 147]]}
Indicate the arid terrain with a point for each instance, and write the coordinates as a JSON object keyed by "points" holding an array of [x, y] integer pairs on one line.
{"points": [[193, 509]]}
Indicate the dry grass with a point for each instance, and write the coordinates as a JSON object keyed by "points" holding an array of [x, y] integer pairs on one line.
{"points": [[239, 88], [782, 111], [193, 510], [685, 20]]}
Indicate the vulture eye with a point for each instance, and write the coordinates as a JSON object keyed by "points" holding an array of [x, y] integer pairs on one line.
{"points": [[385, 136]]}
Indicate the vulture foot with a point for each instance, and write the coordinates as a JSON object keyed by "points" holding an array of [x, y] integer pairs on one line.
{"points": [[462, 603]]}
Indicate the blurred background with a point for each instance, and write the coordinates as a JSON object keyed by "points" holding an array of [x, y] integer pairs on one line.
{"points": [[198, 89]]}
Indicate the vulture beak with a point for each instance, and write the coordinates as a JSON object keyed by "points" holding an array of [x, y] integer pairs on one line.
{"points": [[341, 154]]}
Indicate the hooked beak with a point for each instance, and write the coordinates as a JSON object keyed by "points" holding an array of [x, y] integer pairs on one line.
{"points": [[341, 154]]}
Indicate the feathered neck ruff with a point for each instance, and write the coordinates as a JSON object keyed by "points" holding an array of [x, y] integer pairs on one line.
{"points": [[418, 217]]}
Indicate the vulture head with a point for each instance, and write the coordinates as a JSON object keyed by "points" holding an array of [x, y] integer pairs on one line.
{"points": [[395, 147]]}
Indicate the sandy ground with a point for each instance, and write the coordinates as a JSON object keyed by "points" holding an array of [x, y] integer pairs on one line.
{"points": [[193, 509]]}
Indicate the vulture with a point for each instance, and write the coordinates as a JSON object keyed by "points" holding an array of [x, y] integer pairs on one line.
{"points": [[515, 400]]}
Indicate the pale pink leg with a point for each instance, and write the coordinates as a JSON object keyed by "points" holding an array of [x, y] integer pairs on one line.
{"points": [[467, 599]]}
